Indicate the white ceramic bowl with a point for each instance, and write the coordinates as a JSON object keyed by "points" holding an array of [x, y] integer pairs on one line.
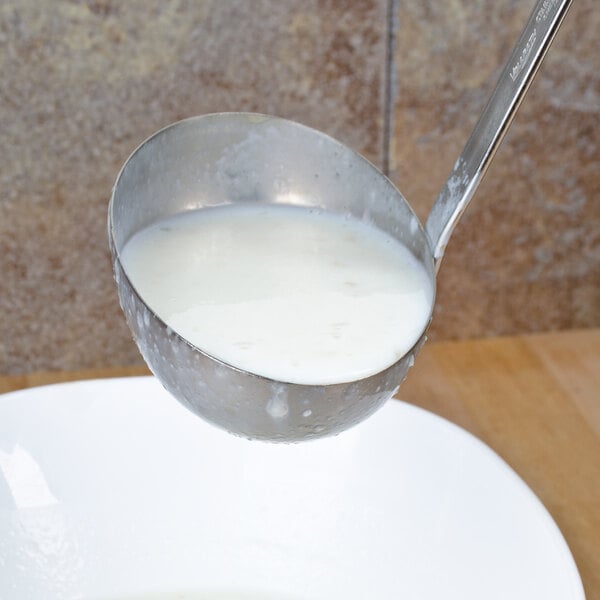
{"points": [[111, 490]]}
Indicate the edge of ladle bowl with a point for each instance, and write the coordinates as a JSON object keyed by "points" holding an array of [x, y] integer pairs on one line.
{"points": [[255, 406]]}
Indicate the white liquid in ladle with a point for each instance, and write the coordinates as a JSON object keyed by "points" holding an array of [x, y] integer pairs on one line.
{"points": [[290, 293]]}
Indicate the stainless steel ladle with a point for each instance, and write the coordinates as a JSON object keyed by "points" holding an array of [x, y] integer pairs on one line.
{"points": [[240, 157]]}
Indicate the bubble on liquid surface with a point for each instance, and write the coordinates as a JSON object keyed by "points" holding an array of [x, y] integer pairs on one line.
{"points": [[307, 413]]}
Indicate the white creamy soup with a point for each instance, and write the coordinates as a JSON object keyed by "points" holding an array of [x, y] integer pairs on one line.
{"points": [[291, 293]]}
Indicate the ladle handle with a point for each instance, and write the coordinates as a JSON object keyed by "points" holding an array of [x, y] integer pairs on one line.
{"points": [[494, 122]]}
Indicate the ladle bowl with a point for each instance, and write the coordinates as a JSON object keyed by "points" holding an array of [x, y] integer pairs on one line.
{"points": [[247, 158]]}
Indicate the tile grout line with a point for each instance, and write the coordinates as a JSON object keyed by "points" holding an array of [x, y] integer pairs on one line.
{"points": [[390, 80]]}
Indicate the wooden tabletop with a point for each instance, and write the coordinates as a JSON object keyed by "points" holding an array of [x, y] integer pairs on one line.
{"points": [[534, 399]]}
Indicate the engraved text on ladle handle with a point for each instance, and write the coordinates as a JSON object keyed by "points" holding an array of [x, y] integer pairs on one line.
{"points": [[493, 123]]}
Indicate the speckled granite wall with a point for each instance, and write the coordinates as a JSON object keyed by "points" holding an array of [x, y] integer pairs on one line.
{"points": [[84, 82]]}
